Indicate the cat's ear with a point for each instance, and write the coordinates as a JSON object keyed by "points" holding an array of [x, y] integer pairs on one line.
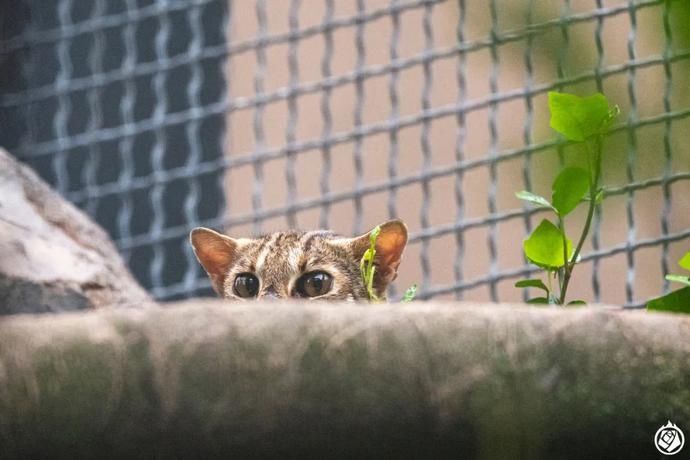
{"points": [[215, 252], [390, 245]]}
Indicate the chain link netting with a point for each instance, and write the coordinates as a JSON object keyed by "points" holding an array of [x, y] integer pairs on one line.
{"points": [[159, 116]]}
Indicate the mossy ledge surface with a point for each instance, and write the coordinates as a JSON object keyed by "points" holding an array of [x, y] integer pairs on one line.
{"points": [[341, 380]]}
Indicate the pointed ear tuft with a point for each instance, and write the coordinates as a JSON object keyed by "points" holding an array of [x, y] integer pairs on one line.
{"points": [[215, 252]]}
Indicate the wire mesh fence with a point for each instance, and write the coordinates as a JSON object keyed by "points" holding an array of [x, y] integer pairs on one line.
{"points": [[159, 116]]}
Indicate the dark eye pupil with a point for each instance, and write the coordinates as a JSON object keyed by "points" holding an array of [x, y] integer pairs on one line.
{"points": [[315, 284], [246, 285]]}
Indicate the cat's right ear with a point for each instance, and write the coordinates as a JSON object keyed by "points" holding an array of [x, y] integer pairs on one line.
{"points": [[390, 245], [215, 252]]}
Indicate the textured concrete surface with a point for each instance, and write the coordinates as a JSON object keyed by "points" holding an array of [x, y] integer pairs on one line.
{"points": [[251, 379]]}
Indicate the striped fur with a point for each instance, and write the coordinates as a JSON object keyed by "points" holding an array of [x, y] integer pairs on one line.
{"points": [[279, 259]]}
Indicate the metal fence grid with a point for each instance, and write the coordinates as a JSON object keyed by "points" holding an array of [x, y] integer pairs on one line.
{"points": [[159, 116]]}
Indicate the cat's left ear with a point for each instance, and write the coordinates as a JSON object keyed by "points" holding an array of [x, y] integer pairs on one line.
{"points": [[390, 245], [216, 253]]}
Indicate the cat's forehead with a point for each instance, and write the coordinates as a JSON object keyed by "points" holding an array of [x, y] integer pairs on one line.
{"points": [[292, 239], [289, 250]]}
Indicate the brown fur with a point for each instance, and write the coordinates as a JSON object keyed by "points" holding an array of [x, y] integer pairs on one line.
{"points": [[279, 259]]}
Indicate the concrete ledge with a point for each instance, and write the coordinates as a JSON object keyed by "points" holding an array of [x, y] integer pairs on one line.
{"points": [[212, 378]]}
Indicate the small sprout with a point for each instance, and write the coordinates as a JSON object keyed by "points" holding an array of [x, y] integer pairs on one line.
{"points": [[367, 267], [410, 293], [612, 115]]}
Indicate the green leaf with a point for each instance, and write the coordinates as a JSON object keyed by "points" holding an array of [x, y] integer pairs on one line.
{"points": [[535, 283], [373, 236], [676, 301], [544, 247], [577, 302], [534, 199], [569, 188], [538, 301], [679, 279], [366, 265], [685, 261], [579, 118], [410, 293]]}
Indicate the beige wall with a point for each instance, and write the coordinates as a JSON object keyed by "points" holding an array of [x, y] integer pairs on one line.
{"points": [[579, 57]]}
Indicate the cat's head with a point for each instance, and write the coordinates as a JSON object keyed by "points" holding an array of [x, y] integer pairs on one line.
{"points": [[313, 265]]}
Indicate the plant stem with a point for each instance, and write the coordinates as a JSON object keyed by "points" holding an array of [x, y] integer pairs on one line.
{"points": [[594, 161], [548, 283], [561, 224]]}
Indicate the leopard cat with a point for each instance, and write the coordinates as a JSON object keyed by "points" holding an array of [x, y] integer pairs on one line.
{"points": [[313, 265]]}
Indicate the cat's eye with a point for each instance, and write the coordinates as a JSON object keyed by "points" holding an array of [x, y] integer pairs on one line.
{"points": [[314, 284], [246, 285]]}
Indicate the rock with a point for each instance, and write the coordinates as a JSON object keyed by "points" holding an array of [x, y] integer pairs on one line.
{"points": [[52, 256]]}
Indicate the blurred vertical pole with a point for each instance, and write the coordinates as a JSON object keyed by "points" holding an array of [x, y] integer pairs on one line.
{"points": [[227, 143], [259, 135], [293, 68], [359, 109], [631, 156], [159, 150], [95, 58], [596, 221], [394, 150], [562, 75], [562, 60], [527, 129], [326, 60], [426, 146], [62, 80], [493, 147], [561, 70], [460, 141], [191, 200], [668, 158], [126, 143]]}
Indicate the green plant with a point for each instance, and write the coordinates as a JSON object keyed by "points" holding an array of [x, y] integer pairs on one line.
{"points": [[679, 300], [410, 293], [367, 267], [584, 120], [367, 270]]}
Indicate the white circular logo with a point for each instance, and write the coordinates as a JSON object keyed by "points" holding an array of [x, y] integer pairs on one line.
{"points": [[669, 439]]}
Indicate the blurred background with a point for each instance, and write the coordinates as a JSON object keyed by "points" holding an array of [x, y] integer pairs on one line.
{"points": [[250, 116]]}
